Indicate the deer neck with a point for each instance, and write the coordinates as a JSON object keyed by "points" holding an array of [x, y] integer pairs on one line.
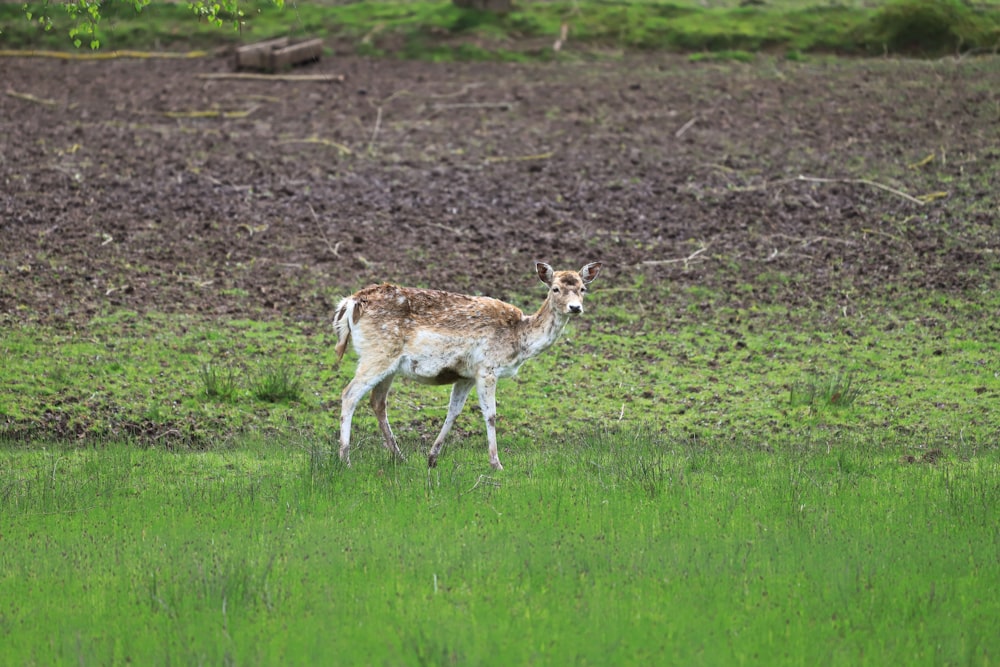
{"points": [[542, 329]]}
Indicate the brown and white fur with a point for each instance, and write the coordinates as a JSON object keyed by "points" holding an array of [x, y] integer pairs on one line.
{"points": [[443, 338]]}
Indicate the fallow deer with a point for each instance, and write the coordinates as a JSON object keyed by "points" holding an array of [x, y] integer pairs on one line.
{"points": [[443, 338]]}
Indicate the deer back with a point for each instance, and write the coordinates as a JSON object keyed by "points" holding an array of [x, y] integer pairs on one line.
{"points": [[389, 321]]}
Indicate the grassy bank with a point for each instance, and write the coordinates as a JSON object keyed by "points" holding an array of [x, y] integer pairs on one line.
{"points": [[440, 31], [616, 546], [923, 369]]}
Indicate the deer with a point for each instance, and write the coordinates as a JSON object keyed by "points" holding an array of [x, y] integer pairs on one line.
{"points": [[442, 338]]}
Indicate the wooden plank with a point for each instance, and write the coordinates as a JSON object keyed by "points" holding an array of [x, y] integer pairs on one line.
{"points": [[296, 54], [256, 76]]}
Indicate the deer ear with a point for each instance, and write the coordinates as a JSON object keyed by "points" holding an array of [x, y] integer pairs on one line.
{"points": [[589, 272], [545, 272]]}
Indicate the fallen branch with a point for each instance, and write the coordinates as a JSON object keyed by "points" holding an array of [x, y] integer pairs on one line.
{"points": [[809, 240], [686, 260], [334, 249], [100, 55], [208, 113], [506, 106], [31, 98], [454, 230], [701, 114], [857, 181], [250, 76], [520, 158], [685, 127]]}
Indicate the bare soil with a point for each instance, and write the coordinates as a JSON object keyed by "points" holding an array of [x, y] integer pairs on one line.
{"points": [[135, 184]]}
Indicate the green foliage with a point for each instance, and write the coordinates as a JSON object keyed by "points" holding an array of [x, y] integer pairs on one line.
{"points": [[932, 27], [440, 31]]}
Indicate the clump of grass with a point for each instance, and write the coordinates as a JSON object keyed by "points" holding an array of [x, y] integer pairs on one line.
{"points": [[218, 383], [277, 382], [838, 391], [59, 376]]}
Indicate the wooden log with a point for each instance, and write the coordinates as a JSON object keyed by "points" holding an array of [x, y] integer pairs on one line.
{"points": [[296, 54], [277, 54], [258, 55]]}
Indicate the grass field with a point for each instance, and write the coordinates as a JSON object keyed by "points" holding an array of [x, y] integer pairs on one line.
{"points": [[745, 468], [678, 515], [610, 546]]}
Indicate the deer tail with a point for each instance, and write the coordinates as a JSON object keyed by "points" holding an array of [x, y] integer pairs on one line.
{"points": [[342, 322]]}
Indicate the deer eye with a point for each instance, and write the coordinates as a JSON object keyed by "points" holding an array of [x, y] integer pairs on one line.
{"points": [[583, 289], [556, 290]]}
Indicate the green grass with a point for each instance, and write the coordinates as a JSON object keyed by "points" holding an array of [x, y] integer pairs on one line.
{"points": [[275, 382], [835, 391], [219, 383], [610, 546], [925, 366], [440, 31], [663, 498]]}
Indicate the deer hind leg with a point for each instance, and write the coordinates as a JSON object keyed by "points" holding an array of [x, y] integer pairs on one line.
{"points": [[459, 392], [486, 388], [378, 402], [365, 379]]}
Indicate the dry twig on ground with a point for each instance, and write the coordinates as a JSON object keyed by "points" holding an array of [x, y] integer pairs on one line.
{"points": [[31, 98], [294, 78], [684, 260]]}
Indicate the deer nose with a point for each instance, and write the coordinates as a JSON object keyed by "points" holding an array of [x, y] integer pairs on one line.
{"points": [[575, 308]]}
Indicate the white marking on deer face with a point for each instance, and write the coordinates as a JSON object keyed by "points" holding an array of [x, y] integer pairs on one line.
{"points": [[566, 288], [566, 292]]}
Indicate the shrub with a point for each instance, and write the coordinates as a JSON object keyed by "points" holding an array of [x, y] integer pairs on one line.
{"points": [[931, 27]]}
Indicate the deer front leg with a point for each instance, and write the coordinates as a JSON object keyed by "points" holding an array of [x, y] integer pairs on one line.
{"points": [[486, 388], [459, 392]]}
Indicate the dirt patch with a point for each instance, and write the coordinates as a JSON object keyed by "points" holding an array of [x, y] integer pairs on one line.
{"points": [[136, 184]]}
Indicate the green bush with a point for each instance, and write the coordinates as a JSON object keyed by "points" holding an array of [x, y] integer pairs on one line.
{"points": [[931, 27]]}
